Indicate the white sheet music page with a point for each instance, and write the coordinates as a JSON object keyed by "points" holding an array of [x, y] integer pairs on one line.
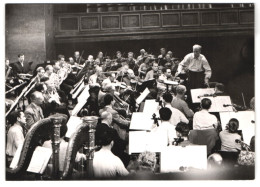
{"points": [[142, 96], [141, 121], [16, 158], [151, 107], [84, 95], [217, 104], [72, 124], [174, 157], [40, 159]]}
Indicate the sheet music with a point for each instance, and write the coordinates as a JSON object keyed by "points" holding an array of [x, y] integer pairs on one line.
{"points": [[16, 157], [142, 96], [140, 141], [78, 90], [150, 107], [141, 121], [218, 102], [173, 157], [200, 92], [245, 122], [84, 94], [78, 107], [72, 124], [40, 159]]}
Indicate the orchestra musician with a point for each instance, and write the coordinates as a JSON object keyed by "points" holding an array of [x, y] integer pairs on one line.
{"points": [[161, 57], [78, 59], [150, 74], [132, 63], [140, 58], [100, 58], [93, 79], [199, 71]]}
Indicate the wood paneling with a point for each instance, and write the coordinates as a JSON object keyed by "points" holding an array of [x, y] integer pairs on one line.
{"points": [[110, 21], [89, 23], [190, 19], [130, 21], [68, 24], [246, 17], [229, 17], [209, 18], [151, 20], [169, 20]]}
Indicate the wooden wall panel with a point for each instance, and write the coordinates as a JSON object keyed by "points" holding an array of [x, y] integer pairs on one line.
{"points": [[169, 20], [209, 18], [229, 17], [89, 23], [110, 21], [190, 19], [130, 21], [68, 24], [246, 17], [151, 20]]}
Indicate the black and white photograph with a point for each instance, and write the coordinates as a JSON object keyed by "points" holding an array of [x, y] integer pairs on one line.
{"points": [[129, 91]]}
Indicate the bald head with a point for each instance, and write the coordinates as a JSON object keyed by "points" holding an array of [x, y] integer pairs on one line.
{"points": [[37, 98], [196, 50], [106, 117]]}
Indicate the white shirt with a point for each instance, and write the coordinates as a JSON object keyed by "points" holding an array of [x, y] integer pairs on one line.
{"points": [[204, 120], [15, 138], [177, 116], [165, 131], [93, 79], [195, 64], [107, 165]]}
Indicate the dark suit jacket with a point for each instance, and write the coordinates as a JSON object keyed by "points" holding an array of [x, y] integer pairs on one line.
{"points": [[32, 115], [18, 68]]}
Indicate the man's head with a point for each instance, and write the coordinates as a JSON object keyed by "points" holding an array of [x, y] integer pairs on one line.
{"points": [[170, 53], [7, 62], [90, 58], [71, 60], [37, 98], [168, 72], [49, 69], [61, 58], [167, 97], [165, 114], [205, 103], [232, 125], [196, 50], [106, 117], [76, 54], [163, 51], [100, 54], [215, 161], [107, 138], [118, 54], [142, 51], [181, 90], [130, 73], [155, 66], [182, 129], [108, 99], [40, 71], [125, 68], [21, 57], [98, 70], [41, 87], [130, 55], [168, 57], [17, 116]]}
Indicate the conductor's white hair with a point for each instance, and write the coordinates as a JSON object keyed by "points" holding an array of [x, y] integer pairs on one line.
{"points": [[196, 46]]}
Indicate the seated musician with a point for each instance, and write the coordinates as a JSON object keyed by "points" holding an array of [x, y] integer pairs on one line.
{"points": [[21, 67], [107, 64], [182, 131], [177, 116], [78, 59], [165, 130], [53, 77], [119, 144], [16, 133], [93, 79], [203, 119], [132, 63], [33, 112], [229, 135], [109, 80], [150, 74], [179, 102], [119, 59], [140, 58], [100, 58], [62, 150], [40, 73], [119, 123], [163, 53], [166, 75], [105, 163]]}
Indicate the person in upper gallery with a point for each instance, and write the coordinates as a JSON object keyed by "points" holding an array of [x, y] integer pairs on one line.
{"points": [[229, 135], [105, 163], [179, 102], [199, 71], [33, 112], [100, 58], [93, 79], [119, 123], [15, 135], [165, 132], [119, 144], [177, 116], [21, 66], [152, 73], [182, 132], [140, 58], [77, 59], [203, 119]]}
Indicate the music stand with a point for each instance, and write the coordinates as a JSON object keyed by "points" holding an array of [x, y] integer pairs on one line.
{"points": [[172, 83], [146, 84], [196, 94]]}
